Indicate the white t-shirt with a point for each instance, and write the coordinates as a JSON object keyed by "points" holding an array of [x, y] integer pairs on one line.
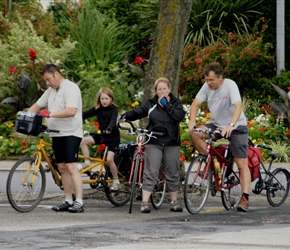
{"points": [[68, 95], [220, 103]]}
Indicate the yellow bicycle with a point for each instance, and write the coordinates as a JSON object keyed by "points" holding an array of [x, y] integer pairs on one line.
{"points": [[26, 180]]}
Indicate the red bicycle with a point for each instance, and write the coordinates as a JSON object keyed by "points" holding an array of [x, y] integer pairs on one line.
{"points": [[137, 166], [203, 178]]}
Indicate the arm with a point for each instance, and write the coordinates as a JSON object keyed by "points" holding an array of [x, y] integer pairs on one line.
{"points": [[34, 108], [68, 112], [89, 113], [236, 115], [193, 112], [113, 122], [176, 110], [137, 113]]}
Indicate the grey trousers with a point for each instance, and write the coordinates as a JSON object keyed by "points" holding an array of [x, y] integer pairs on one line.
{"points": [[168, 157]]}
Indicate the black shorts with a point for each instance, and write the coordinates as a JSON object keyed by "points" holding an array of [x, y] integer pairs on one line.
{"points": [[112, 145], [66, 148], [238, 139]]}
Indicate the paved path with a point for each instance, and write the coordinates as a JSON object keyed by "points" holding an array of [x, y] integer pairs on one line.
{"points": [[103, 226]]}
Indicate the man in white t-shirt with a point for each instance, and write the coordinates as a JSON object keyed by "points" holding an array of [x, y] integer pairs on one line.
{"points": [[225, 105], [64, 110]]}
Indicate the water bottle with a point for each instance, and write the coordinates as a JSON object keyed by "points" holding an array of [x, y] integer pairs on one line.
{"points": [[218, 169]]}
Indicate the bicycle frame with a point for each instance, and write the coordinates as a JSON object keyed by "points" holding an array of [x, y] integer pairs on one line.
{"points": [[42, 153], [139, 153]]}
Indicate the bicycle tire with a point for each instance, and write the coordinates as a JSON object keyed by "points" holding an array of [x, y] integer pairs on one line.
{"points": [[196, 189], [122, 196], [232, 190], [278, 187], [22, 196], [134, 182], [158, 194]]}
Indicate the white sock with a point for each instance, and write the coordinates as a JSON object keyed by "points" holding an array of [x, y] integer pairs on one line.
{"points": [[69, 200], [116, 180], [88, 162], [80, 201]]}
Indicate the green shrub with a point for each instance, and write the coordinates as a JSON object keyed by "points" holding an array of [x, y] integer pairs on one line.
{"points": [[244, 59]]}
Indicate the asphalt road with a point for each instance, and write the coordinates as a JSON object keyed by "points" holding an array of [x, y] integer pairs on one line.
{"points": [[103, 226]]}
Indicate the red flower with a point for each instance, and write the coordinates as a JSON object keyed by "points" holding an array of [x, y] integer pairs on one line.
{"points": [[97, 125], [24, 143], [185, 142], [139, 60], [32, 53], [288, 87], [186, 64], [182, 157], [12, 69], [288, 133], [262, 129], [101, 148]]}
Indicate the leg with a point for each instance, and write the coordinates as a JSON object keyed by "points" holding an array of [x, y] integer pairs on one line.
{"points": [[66, 181], [197, 140], [239, 145], [84, 147], [171, 169], [153, 159], [245, 175], [112, 165], [114, 171]]}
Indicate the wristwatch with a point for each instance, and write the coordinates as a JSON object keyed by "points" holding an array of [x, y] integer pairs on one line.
{"points": [[232, 124]]}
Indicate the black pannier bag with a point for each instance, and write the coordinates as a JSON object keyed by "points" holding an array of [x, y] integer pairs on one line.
{"points": [[28, 123], [124, 156]]}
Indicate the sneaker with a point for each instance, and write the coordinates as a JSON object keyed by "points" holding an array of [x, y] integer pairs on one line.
{"points": [[175, 207], [76, 208], [115, 186], [145, 208], [62, 207], [244, 205]]}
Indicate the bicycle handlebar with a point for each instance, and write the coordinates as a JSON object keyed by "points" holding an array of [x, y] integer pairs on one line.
{"points": [[85, 132], [52, 131], [134, 130], [207, 131], [251, 143]]}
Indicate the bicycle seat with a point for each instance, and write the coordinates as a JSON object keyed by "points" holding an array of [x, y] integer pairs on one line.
{"points": [[274, 155]]}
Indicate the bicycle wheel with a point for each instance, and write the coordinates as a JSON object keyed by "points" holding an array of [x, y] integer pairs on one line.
{"points": [[278, 187], [158, 194], [197, 184], [122, 196], [23, 195], [232, 190], [134, 182]]}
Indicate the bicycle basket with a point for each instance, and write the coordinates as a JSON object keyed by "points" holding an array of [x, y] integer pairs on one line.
{"points": [[28, 123]]}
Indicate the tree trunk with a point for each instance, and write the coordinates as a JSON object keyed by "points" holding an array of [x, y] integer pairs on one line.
{"points": [[166, 53], [165, 57]]}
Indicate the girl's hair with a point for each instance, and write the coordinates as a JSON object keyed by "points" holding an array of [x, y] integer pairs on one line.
{"points": [[106, 91], [161, 79]]}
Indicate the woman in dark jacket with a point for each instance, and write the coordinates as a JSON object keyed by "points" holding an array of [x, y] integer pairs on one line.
{"points": [[165, 112], [106, 113]]}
